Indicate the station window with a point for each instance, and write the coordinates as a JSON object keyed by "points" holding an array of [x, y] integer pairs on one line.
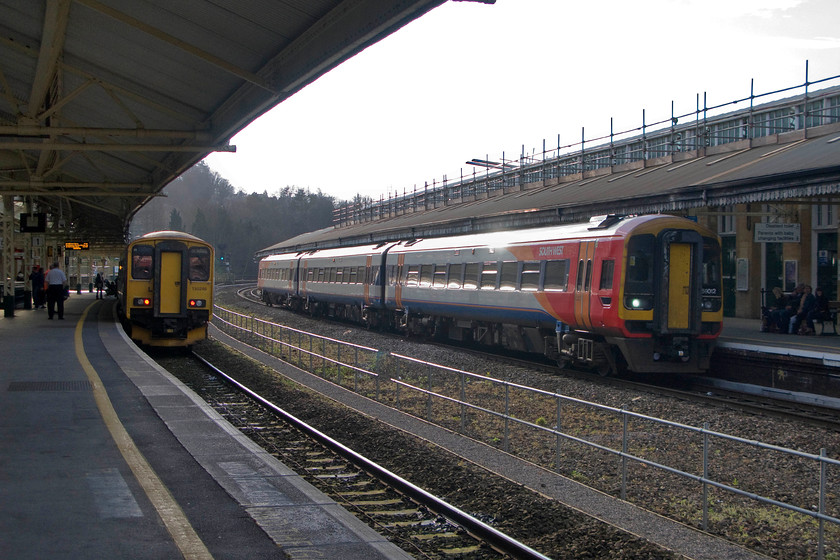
{"points": [[142, 257], [726, 220], [824, 214], [199, 264]]}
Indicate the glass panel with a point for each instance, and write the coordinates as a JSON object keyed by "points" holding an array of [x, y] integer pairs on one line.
{"points": [[413, 275], [142, 257], [607, 268], [489, 272], [426, 273], [509, 273], [440, 276], [638, 288], [557, 275], [471, 276], [530, 276], [456, 271], [199, 264]]}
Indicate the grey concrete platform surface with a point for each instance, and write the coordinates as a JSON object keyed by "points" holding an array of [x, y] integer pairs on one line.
{"points": [[104, 455]]}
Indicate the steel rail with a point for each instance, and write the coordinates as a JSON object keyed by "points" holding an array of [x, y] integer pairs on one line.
{"points": [[478, 529]]}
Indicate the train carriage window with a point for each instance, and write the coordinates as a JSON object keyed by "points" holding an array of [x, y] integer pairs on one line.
{"points": [[638, 284], [456, 272], [339, 275], [579, 284], [141, 262], [471, 276], [440, 276], [556, 276], [426, 273], [310, 274], [489, 274], [607, 269], [530, 276], [588, 278], [510, 270], [413, 275], [354, 275], [199, 264], [330, 275]]}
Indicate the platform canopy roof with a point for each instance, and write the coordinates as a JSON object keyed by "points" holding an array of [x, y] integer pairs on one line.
{"points": [[104, 102]]}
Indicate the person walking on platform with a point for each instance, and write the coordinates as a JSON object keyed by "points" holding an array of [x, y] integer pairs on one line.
{"points": [[37, 279], [55, 280], [98, 283]]}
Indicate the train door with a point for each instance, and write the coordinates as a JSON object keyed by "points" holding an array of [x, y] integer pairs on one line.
{"points": [[169, 285], [679, 291], [679, 286], [398, 286], [583, 283], [366, 280]]}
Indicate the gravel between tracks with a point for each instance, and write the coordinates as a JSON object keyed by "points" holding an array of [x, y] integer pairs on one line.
{"points": [[767, 530]]}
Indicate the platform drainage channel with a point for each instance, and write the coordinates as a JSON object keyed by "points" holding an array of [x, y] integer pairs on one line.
{"points": [[50, 386]]}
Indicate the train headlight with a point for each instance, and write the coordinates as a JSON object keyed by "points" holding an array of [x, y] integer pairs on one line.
{"points": [[198, 303], [142, 302], [638, 302]]}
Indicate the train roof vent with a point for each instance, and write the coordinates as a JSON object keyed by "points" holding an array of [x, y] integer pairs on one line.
{"points": [[410, 242], [603, 222]]}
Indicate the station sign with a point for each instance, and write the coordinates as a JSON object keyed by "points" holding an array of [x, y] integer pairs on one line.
{"points": [[77, 245], [776, 233]]}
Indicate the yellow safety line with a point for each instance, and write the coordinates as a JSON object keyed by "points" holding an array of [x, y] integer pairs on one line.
{"points": [[185, 537]]}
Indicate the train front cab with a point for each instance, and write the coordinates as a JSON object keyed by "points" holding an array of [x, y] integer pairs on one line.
{"points": [[671, 300], [169, 292]]}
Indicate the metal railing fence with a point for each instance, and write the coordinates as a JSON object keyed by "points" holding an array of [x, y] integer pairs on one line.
{"points": [[572, 433]]}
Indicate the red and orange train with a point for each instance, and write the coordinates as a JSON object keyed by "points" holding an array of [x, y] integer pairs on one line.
{"points": [[640, 293]]}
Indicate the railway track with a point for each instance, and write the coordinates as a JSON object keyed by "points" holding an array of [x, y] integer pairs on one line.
{"points": [[745, 397], [412, 518]]}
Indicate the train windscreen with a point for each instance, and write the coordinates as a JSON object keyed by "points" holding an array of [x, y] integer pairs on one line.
{"points": [[639, 280]]}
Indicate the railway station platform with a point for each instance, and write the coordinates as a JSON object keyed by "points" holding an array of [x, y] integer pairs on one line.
{"points": [[105, 455]]}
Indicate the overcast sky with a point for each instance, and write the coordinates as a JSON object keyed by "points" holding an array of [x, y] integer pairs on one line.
{"points": [[470, 80]]}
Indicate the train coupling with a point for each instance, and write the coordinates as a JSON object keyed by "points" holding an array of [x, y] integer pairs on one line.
{"points": [[676, 350]]}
